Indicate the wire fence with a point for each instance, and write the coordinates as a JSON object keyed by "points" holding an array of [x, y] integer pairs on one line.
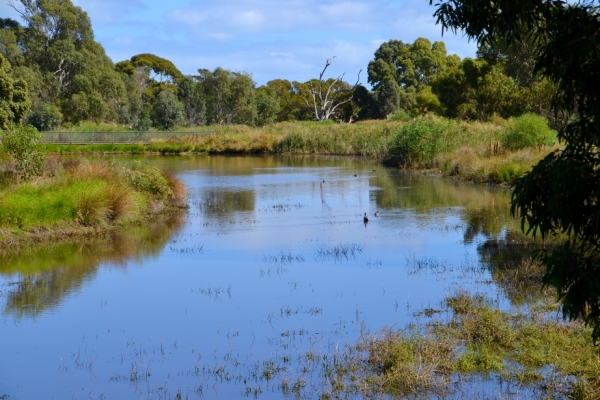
{"points": [[56, 137]]}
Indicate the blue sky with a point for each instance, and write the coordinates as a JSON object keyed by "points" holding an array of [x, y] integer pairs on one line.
{"points": [[268, 38]]}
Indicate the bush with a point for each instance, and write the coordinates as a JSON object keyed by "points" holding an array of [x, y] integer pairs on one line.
{"points": [[148, 179], [21, 143], [45, 118], [528, 130], [419, 141], [400, 115]]}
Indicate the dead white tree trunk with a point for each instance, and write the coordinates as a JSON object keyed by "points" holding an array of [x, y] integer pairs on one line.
{"points": [[326, 104]]}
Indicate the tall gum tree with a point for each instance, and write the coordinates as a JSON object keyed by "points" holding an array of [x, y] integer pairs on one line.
{"points": [[57, 44]]}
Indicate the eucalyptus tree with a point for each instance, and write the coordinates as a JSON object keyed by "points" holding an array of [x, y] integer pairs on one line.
{"points": [[191, 94], [559, 196], [290, 97], [14, 102], [63, 61], [167, 111], [267, 106], [230, 96], [410, 65]]}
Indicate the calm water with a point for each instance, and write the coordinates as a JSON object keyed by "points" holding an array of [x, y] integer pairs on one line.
{"points": [[271, 260]]}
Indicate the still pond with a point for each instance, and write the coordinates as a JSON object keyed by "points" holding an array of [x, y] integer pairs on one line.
{"points": [[272, 260]]}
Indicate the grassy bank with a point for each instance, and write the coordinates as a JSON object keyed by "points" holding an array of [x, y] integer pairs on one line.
{"points": [[75, 197], [366, 138], [495, 152]]}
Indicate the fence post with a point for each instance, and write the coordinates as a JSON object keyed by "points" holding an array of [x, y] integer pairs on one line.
{"points": [[113, 142]]}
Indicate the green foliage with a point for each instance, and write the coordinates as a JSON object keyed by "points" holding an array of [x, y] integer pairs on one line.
{"points": [[410, 65], [21, 143], [230, 97], [291, 99], [162, 67], [366, 103], [559, 196], [388, 97], [144, 121], [267, 106], [427, 102], [419, 141], [400, 115], [528, 130], [14, 102], [63, 63], [77, 193], [46, 117], [192, 96], [148, 179], [168, 111]]}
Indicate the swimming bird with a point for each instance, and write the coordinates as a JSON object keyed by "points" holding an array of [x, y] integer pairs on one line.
{"points": [[376, 213], [365, 218], [355, 174]]}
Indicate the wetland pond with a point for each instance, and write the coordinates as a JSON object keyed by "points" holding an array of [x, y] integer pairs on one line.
{"points": [[271, 262]]}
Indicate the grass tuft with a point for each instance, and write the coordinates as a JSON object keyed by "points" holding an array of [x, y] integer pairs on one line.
{"points": [[86, 194]]}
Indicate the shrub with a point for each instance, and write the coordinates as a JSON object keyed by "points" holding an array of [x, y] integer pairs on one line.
{"points": [[419, 141], [21, 143], [149, 179], [400, 115], [45, 118], [528, 130]]}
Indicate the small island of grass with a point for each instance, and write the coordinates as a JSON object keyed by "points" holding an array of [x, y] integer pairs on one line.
{"points": [[58, 197]]}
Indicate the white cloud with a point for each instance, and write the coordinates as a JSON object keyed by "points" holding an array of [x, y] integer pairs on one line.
{"points": [[269, 38], [107, 11], [276, 17]]}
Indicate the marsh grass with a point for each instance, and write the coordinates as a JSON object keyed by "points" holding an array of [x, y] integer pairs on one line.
{"points": [[81, 193], [477, 343], [472, 151], [343, 251]]}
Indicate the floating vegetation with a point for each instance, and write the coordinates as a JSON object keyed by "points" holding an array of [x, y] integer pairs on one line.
{"points": [[214, 292], [339, 252], [376, 262], [283, 258], [427, 264], [187, 250], [446, 228]]}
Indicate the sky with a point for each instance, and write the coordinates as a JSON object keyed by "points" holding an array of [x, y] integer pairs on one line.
{"points": [[270, 39]]}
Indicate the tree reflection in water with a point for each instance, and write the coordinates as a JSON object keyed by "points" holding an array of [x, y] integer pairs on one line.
{"points": [[47, 274]]}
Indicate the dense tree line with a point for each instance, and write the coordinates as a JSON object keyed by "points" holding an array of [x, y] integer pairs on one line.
{"points": [[61, 76]]}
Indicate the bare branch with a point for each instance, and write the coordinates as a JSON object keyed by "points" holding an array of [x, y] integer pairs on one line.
{"points": [[326, 104]]}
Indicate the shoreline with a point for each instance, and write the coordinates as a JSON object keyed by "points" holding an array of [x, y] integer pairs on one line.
{"points": [[11, 242]]}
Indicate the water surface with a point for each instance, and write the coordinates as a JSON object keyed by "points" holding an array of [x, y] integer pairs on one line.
{"points": [[272, 260]]}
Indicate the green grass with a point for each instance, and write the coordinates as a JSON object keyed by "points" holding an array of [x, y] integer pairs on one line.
{"points": [[80, 193], [45, 204]]}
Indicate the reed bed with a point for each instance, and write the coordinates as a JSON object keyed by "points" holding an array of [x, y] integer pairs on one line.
{"points": [[492, 152]]}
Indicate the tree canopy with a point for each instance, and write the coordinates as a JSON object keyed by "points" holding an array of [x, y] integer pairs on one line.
{"points": [[14, 102], [559, 196], [56, 54]]}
